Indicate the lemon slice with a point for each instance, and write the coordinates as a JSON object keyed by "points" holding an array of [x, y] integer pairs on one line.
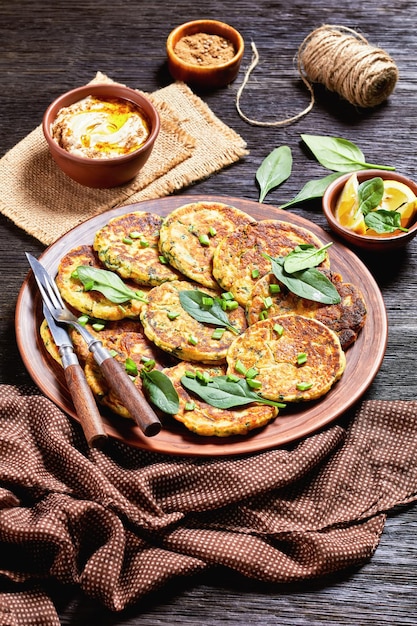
{"points": [[399, 197], [347, 209]]}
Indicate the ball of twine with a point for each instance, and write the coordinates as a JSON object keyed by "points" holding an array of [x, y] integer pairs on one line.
{"points": [[344, 62]]}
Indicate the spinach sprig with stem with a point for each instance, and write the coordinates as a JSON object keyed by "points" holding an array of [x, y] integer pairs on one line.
{"points": [[108, 283], [298, 272], [204, 309], [223, 393]]}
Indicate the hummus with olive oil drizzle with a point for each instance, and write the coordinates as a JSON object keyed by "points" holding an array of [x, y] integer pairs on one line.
{"points": [[100, 129]]}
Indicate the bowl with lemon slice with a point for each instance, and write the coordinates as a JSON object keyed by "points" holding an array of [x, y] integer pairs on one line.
{"points": [[374, 210]]}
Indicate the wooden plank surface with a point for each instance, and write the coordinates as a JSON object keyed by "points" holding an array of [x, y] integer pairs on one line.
{"points": [[51, 46]]}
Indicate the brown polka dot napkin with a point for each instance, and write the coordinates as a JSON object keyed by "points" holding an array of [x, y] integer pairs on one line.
{"points": [[121, 522]]}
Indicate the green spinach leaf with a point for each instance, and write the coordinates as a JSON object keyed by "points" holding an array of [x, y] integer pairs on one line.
{"points": [[305, 256], [160, 390], [312, 189], [382, 221], [309, 283], [338, 154], [108, 283], [370, 193], [192, 301], [225, 394], [274, 170]]}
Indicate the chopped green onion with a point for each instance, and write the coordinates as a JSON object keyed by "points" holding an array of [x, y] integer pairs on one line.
{"points": [[134, 234], [255, 273], [131, 367], [204, 240], [203, 376], [278, 329], [253, 384], [88, 285], [212, 231], [301, 358], [127, 240], [192, 340], [114, 353], [149, 364], [207, 301], [145, 244], [98, 326], [267, 302], [189, 406], [83, 320], [218, 333], [263, 315], [233, 378], [163, 260], [274, 288], [231, 305], [227, 295], [251, 372], [172, 315], [240, 368], [304, 386], [190, 374]]}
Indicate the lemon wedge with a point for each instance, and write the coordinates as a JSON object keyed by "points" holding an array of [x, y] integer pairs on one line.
{"points": [[347, 208], [399, 197]]}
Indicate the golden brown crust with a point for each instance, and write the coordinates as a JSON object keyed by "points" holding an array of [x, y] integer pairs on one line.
{"points": [[345, 318], [128, 245], [238, 260], [175, 335], [275, 356], [180, 237], [91, 303]]}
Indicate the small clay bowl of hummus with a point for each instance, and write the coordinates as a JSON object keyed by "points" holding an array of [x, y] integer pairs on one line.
{"points": [[101, 135], [205, 53]]}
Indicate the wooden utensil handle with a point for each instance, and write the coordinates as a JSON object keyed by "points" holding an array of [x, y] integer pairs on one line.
{"points": [[131, 397], [85, 406]]}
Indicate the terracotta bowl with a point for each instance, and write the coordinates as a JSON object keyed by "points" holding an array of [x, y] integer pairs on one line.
{"points": [[367, 242], [101, 173], [214, 75]]}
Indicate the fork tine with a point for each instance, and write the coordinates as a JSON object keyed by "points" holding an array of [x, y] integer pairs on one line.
{"points": [[52, 295], [46, 296], [56, 291]]}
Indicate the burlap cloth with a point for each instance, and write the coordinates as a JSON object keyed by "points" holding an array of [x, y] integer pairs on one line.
{"points": [[121, 522], [193, 143]]}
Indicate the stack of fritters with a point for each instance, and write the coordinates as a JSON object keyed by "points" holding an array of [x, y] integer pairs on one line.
{"points": [[211, 247]]}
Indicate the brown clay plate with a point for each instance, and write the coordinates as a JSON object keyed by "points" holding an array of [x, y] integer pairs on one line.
{"points": [[363, 358]]}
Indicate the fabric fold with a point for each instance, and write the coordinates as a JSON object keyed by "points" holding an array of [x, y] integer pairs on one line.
{"points": [[121, 522]]}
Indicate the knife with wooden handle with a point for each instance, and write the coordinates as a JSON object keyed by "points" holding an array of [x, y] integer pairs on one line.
{"points": [[81, 394]]}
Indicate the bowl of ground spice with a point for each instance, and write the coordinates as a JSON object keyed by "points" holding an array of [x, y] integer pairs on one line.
{"points": [[206, 53]]}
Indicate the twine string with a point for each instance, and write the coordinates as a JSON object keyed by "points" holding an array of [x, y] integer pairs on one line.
{"points": [[344, 62]]}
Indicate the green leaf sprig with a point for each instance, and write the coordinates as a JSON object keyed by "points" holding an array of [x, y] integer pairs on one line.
{"points": [[381, 221], [159, 389], [108, 283], [224, 393], [304, 279], [334, 153], [338, 154], [205, 309], [274, 170]]}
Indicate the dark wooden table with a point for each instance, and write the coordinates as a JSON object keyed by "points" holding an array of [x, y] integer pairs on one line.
{"points": [[50, 46]]}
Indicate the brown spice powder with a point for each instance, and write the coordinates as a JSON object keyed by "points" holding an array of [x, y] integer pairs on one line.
{"points": [[204, 49]]}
